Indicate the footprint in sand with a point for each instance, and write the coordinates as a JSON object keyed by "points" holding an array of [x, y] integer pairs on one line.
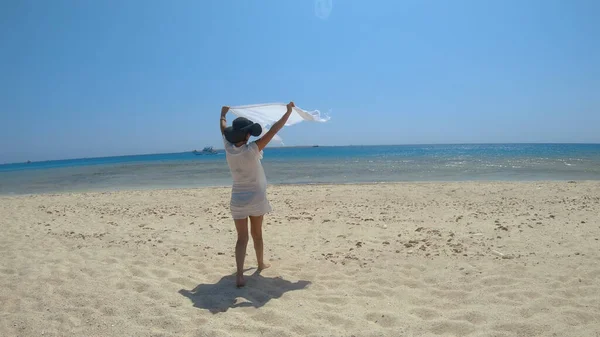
{"points": [[137, 272], [140, 287], [11, 305], [7, 271], [578, 317], [452, 328], [333, 300], [386, 320], [182, 281], [335, 319], [108, 311], [160, 273], [455, 295], [139, 263], [120, 285], [425, 313], [473, 317], [521, 329], [111, 260]]}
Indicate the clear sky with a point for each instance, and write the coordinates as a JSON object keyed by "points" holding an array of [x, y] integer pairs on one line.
{"points": [[84, 78]]}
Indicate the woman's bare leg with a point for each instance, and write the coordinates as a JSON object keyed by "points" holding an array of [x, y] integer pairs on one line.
{"points": [[241, 226], [256, 230]]}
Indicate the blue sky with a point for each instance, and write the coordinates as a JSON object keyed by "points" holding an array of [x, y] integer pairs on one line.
{"points": [[84, 78]]}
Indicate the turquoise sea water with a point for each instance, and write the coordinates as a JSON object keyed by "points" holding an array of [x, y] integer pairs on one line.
{"points": [[351, 164]]}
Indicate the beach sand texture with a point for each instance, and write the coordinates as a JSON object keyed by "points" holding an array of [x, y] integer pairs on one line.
{"points": [[407, 259]]}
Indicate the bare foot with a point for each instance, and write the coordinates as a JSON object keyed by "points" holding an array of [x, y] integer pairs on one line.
{"points": [[240, 282], [264, 266]]}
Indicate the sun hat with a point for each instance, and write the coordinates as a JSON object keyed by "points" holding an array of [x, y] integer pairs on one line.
{"points": [[240, 128]]}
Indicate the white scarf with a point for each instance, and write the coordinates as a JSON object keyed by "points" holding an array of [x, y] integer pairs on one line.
{"points": [[267, 114]]}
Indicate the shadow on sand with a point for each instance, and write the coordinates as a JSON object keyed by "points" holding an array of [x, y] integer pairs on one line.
{"points": [[221, 296]]}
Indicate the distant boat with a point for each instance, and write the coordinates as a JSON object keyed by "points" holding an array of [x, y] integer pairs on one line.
{"points": [[206, 150]]}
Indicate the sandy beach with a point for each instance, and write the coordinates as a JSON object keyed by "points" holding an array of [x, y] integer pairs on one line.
{"points": [[406, 259]]}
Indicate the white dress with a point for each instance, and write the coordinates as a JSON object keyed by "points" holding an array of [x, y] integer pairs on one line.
{"points": [[249, 191]]}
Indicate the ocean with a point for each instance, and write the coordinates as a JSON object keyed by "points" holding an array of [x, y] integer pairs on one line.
{"points": [[311, 165]]}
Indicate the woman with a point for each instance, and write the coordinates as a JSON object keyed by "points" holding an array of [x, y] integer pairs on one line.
{"points": [[249, 191]]}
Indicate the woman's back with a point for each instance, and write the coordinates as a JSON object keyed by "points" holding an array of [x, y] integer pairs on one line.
{"points": [[249, 191]]}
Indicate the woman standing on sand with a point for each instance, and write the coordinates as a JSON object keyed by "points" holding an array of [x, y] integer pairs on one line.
{"points": [[249, 191]]}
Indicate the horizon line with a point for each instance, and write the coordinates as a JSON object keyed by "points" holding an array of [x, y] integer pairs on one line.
{"points": [[305, 146]]}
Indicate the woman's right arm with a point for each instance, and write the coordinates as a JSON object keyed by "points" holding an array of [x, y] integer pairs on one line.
{"points": [[223, 121], [264, 140]]}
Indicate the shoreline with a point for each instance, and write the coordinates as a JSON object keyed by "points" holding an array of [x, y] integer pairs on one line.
{"points": [[300, 166], [424, 182]]}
